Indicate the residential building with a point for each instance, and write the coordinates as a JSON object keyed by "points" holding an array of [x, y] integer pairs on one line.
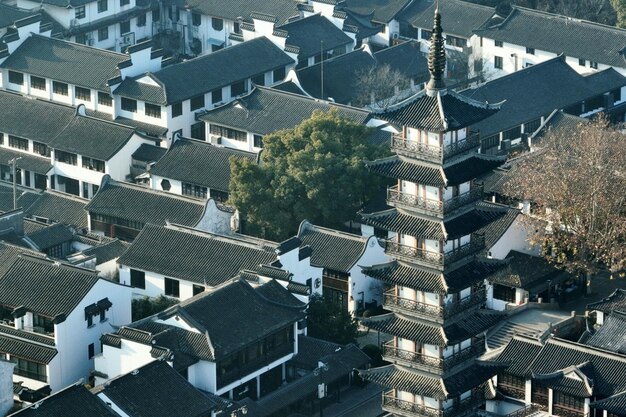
{"points": [[75, 400], [9, 15], [435, 234], [603, 308], [54, 314], [237, 352], [611, 335]]}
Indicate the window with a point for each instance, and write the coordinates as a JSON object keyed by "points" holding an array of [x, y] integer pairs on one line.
{"points": [[82, 93], [454, 41], [504, 293], [38, 83], [165, 185], [216, 96], [16, 78], [426, 34], [129, 104], [220, 196], [194, 190], [279, 74], [237, 28], [259, 79], [198, 131], [79, 12], [152, 110], [85, 186], [197, 289], [530, 51], [102, 6], [137, 279], [512, 386], [18, 143], [582, 62], [103, 315], [124, 27], [177, 109], [1, 143], [89, 321], [531, 126], [498, 63], [105, 99], [258, 141], [196, 19], [593, 64], [499, 44], [238, 88], [65, 157], [197, 102], [156, 15], [32, 370], [141, 20], [172, 287], [124, 3], [93, 164], [91, 351], [41, 149], [81, 38], [103, 33], [229, 133], [59, 88], [217, 24]]}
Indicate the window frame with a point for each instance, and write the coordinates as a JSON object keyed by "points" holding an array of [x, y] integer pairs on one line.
{"points": [[530, 51], [105, 99], [13, 75], [103, 6], [93, 164], [79, 12], [152, 110], [177, 109], [196, 102], [38, 83], [137, 279], [60, 88], [82, 93], [103, 34], [498, 62], [498, 44], [128, 104], [171, 287]]}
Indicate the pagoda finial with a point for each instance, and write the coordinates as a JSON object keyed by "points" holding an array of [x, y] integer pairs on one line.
{"points": [[436, 55]]}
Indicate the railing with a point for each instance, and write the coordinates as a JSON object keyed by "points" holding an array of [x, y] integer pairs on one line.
{"points": [[438, 364], [435, 206], [525, 411], [433, 153], [566, 412], [393, 404], [476, 243], [391, 301], [437, 259], [474, 194]]}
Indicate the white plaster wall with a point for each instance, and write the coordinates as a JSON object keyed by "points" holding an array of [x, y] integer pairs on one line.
{"points": [[515, 238], [215, 220], [358, 282], [155, 285], [302, 270], [114, 361], [6, 386], [118, 167], [202, 375]]}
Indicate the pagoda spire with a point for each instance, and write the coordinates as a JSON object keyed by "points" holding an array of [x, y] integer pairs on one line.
{"points": [[436, 56]]}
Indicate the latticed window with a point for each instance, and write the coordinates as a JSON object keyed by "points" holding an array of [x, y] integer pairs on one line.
{"points": [[511, 385], [229, 133]]}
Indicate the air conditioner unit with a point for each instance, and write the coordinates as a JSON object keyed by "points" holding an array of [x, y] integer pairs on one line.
{"points": [[73, 22], [395, 35], [127, 39]]}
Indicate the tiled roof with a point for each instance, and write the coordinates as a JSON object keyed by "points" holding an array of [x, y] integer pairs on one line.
{"points": [[402, 168], [45, 287], [200, 257], [310, 350], [614, 302], [518, 355], [59, 207], [51, 236], [560, 35], [157, 390], [140, 204], [459, 18], [75, 401], [25, 196], [526, 271], [615, 404], [107, 251], [332, 249], [397, 221], [182, 81], [470, 168], [9, 14], [37, 338], [310, 33], [559, 120], [28, 162], [64, 61], [9, 253], [233, 9], [575, 380], [149, 153], [494, 230], [381, 11], [611, 335], [198, 162], [25, 349], [265, 110]]}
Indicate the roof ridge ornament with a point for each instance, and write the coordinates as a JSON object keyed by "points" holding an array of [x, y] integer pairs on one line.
{"points": [[436, 56]]}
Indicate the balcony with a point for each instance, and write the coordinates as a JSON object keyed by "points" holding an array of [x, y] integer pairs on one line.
{"points": [[400, 407], [435, 259], [391, 353], [396, 198], [405, 305], [433, 153]]}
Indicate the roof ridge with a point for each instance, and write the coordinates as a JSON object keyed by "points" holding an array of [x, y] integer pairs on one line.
{"points": [[212, 146], [270, 89], [249, 240], [335, 232], [587, 348], [570, 18], [80, 45], [125, 184], [53, 262], [64, 195]]}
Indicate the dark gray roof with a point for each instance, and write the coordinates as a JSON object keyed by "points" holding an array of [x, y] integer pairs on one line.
{"points": [[29, 162], [559, 120], [45, 287], [310, 33], [59, 207], [195, 256], [26, 345], [157, 390], [560, 35], [536, 91], [310, 350], [265, 110], [576, 380], [232, 9], [611, 335], [140, 204], [25, 196], [64, 61], [75, 401], [381, 11], [9, 14], [332, 249], [518, 355], [9, 253], [459, 18], [200, 163], [51, 236], [529, 272], [615, 404], [614, 302], [494, 230], [200, 75], [107, 251], [149, 153]]}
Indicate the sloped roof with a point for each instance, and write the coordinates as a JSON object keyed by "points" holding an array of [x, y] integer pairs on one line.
{"points": [[310, 33], [29, 162], [75, 401], [232, 9], [518, 355], [149, 153], [381, 11], [611, 335], [615, 404], [525, 271], [107, 251], [459, 18], [51, 236], [614, 302], [10, 14], [575, 380], [26, 345], [59, 207], [9, 253]]}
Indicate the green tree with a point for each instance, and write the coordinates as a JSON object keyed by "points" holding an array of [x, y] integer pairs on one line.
{"points": [[620, 9], [314, 171], [329, 321], [144, 307]]}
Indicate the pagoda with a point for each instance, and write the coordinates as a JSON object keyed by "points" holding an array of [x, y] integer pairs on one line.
{"points": [[435, 227]]}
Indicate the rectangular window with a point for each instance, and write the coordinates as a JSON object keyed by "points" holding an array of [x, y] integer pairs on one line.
{"points": [[18, 143], [102, 6], [172, 287], [582, 62], [259, 79], [499, 44], [16, 77], [530, 51], [129, 104], [237, 28], [65, 157], [177, 109], [279, 74], [81, 38], [103, 33], [89, 321], [197, 289], [426, 34], [93, 164], [85, 187], [38, 83], [196, 102], [141, 20], [103, 315], [217, 24], [258, 141], [229, 133], [216, 96], [152, 110], [504, 293], [196, 19], [59, 88], [91, 350], [105, 99], [79, 12], [41, 148], [32, 370], [124, 3], [498, 63], [593, 64], [156, 15], [195, 190], [124, 27], [198, 131], [82, 93], [137, 279], [238, 88]]}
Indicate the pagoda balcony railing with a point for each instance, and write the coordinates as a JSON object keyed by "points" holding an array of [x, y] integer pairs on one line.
{"points": [[433, 153], [436, 259], [437, 207], [391, 301], [438, 365], [398, 406]]}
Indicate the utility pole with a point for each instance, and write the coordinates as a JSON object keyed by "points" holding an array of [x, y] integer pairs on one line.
{"points": [[322, 69], [13, 162]]}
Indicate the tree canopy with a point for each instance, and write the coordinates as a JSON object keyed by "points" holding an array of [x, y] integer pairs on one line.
{"points": [[577, 181], [378, 84], [329, 321], [314, 171]]}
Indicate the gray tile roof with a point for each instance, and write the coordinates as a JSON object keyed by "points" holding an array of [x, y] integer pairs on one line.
{"points": [[107, 251], [310, 350], [232, 9], [528, 272], [45, 287], [495, 229], [64, 61], [149, 153], [9, 253], [400, 222], [199, 257], [199, 163], [29, 162], [403, 168], [51, 236], [135, 203], [611, 335], [575, 380], [615, 404], [75, 401], [459, 18], [560, 35], [559, 120], [59, 207], [9, 14], [381, 11], [265, 110], [18, 347], [312, 33], [518, 354], [182, 81], [614, 302]]}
